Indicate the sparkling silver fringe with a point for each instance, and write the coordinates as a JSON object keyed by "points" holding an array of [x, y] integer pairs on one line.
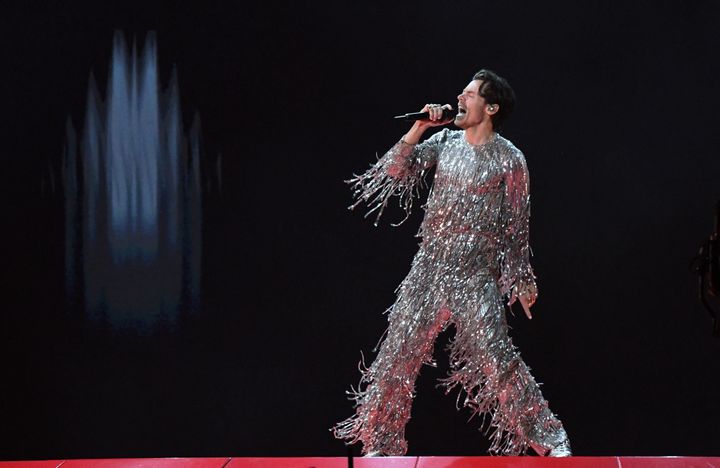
{"points": [[474, 251]]}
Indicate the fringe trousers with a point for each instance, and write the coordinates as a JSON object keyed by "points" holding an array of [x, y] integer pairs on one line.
{"points": [[494, 381]]}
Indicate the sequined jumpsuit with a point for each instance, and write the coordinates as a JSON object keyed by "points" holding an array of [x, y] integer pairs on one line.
{"points": [[474, 251]]}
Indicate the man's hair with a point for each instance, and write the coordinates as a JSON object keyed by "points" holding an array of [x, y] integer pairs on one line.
{"points": [[496, 90]]}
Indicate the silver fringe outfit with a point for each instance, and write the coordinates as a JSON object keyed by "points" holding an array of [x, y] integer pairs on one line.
{"points": [[474, 251]]}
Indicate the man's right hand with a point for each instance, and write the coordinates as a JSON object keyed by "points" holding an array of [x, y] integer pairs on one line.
{"points": [[435, 119], [436, 114]]}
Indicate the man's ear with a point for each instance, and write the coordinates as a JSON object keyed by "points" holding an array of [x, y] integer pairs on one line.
{"points": [[492, 109]]}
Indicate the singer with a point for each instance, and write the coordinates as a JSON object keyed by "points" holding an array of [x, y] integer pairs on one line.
{"points": [[474, 253]]}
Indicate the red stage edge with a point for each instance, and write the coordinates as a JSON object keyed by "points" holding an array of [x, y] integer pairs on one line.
{"points": [[380, 462]]}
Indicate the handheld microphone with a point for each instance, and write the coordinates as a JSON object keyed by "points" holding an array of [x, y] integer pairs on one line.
{"points": [[447, 114]]}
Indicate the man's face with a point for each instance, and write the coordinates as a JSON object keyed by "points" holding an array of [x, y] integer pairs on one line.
{"points": [[471, 106]]}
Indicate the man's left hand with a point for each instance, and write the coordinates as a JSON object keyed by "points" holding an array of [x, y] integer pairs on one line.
{"points": [[526, 306], [526, 300]]}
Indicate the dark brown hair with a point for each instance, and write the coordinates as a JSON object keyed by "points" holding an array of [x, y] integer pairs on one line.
{"points": [[496, 90]]}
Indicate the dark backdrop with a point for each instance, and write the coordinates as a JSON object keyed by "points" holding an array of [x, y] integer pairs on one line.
{"points": [[617, 119]]}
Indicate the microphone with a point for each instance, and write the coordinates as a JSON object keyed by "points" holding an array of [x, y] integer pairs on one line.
{"points": [[447, 114]]}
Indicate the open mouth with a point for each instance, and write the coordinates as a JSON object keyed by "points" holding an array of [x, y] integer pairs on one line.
{"points": [[461, 110]]}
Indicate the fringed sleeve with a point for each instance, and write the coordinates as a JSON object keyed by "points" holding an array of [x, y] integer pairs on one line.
{"points": [[399, 172], [517, 277]]}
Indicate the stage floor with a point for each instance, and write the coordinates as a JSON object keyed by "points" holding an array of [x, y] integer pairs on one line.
{"points": [[381, 462]]}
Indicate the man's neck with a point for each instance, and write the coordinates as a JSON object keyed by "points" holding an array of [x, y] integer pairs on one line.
{"points": [[479, 134]]}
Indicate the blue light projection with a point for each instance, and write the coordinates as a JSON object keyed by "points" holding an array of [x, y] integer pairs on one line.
{"points": [[132, 197]]}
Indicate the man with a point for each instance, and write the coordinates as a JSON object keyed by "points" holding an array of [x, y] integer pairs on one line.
{"points": [[474, 251]]}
